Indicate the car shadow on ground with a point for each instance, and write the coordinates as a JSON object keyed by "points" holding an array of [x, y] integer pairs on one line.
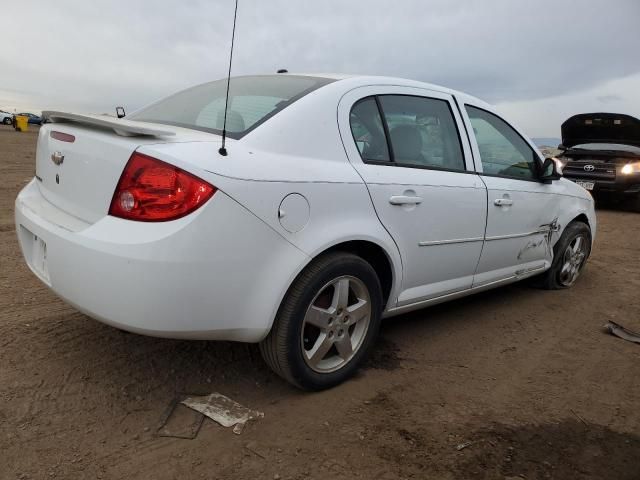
{"points": [[137, 365]]}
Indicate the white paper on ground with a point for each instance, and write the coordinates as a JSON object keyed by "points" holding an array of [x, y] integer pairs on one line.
{"points": [[222, 410]]}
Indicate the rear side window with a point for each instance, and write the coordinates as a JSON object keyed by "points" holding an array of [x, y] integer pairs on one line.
{"points": [[503, 151], [422, 132], [368, 131], [252, 101], [407, 131]]}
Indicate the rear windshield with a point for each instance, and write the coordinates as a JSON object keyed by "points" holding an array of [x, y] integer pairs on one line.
{"points": [[252, 101]]}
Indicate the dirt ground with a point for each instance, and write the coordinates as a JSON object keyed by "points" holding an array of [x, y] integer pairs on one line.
{"points": [[513, 383]]}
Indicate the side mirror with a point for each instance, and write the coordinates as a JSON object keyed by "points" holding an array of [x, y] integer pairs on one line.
{"points": [[551, 170], [120, 112]]}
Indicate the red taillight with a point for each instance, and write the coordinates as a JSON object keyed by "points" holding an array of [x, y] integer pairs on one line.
{"points": [[151, 190]]}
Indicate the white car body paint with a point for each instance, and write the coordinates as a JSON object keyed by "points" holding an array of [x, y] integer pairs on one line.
{"points": [[434, 268], [222, 271]]}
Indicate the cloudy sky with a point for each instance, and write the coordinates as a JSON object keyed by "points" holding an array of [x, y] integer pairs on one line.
{"points": [[539, 61]]}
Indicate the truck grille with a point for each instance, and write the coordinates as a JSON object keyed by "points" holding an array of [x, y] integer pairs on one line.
{"points": [[601, 170]]}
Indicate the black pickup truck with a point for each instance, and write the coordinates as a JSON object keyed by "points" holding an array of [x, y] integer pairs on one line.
{"points": [[601, 152]]}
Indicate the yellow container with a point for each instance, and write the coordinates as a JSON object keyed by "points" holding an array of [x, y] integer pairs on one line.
{"points": [[22, 123]]}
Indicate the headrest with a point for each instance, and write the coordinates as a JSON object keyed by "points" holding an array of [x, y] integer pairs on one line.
{"points": [[407, 142], [235, 122]]}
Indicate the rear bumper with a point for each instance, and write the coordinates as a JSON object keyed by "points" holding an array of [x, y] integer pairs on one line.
{"points": [[219, 273]]}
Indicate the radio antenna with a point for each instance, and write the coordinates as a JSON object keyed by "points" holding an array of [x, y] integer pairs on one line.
{"points": [[223, 151]]}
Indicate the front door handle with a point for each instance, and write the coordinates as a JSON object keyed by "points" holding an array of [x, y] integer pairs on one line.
{"points": [[501, 202], [405, 200]]}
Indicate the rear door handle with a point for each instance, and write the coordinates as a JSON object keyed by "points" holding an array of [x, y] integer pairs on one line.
{"points": [[500, 202], [405, 200]]}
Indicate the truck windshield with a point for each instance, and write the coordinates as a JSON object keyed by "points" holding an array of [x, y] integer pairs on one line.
{"points": [[252, 101]]}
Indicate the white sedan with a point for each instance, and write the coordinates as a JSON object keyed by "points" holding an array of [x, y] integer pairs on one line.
{"points": [[342, 200], [6, 118]]}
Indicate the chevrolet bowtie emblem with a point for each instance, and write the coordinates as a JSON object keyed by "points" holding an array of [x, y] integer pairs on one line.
{"points": [[57, 158]]}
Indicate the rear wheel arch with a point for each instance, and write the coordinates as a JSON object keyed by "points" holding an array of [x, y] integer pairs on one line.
{"points": [[373, 254], [386, 264], [285, 348]]}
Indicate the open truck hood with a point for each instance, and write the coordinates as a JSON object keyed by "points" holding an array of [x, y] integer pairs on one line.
{"points": [[601, 128]]}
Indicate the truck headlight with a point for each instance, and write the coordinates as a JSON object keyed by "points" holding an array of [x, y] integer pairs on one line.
{"points": [[630, 168]]}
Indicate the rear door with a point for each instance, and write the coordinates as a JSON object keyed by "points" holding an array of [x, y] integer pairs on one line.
{"points": [[406, 145], [521, 209]]}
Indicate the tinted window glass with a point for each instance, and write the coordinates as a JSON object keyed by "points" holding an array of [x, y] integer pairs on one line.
{"points": [[252, 100], [368, 132], [422, 132], [502, 151]]}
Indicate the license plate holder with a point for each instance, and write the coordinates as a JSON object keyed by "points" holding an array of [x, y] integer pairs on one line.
{"points": [[585, 185], [35, 249]]}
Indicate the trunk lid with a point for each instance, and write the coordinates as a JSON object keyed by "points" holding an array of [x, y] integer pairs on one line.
{"points": [[78, 171], [606, 128]]}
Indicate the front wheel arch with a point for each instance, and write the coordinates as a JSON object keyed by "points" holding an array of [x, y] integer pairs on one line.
{"points": [[549, 280], [581, 218]]}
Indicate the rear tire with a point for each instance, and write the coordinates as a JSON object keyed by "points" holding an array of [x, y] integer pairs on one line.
{"points": [[326, 324], [570, 254], [7, 121]]}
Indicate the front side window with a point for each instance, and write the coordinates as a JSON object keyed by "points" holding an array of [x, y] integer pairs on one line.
{"points": [[252, 101], [503, 151]]}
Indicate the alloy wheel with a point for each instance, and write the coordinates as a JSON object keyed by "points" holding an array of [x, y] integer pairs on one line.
{"points": [[573, 259], [335, 324]]}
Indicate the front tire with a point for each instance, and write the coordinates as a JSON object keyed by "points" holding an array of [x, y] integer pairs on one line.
{"points": [[570, 253], [7, 121], [327, 322]]}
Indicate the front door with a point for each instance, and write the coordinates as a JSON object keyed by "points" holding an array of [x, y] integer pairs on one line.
{"points": [[521, 209], [405, 144]]}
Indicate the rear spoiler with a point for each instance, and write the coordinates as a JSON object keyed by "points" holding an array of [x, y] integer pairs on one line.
{"points": [[125, 128]]}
